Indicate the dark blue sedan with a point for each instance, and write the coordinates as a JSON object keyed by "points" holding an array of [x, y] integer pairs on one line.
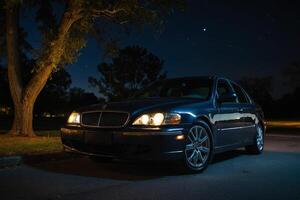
{"points": [[187, 119]]}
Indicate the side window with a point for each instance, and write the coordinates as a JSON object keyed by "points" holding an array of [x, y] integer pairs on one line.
{"points": [[240, 94], [223, 88]]}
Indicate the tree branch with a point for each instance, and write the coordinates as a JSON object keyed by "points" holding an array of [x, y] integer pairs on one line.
{"points": [[56, 49], [108, 12]]}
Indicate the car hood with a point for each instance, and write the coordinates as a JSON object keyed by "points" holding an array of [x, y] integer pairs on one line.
{"points": [[142, 105]]}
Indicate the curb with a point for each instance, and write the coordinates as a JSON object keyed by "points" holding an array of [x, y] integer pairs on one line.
{"points": [[10, 161]]}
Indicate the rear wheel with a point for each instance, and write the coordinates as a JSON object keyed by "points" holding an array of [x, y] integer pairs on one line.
{"points": [[198, 149], [258, 146]]}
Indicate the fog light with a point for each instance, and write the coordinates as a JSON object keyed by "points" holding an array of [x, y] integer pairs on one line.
{"points": [[179, 137]]}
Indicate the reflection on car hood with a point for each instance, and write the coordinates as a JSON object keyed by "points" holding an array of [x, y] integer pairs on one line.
{"points": [[142, 105]]}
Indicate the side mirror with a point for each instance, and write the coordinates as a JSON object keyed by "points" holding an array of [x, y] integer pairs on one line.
{"points": [[226, 98]]}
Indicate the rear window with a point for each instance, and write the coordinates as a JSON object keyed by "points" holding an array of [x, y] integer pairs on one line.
{"points": [[242, 98]]}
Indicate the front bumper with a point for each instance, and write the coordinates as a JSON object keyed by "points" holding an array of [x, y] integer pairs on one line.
{"points": [[159, 144]]}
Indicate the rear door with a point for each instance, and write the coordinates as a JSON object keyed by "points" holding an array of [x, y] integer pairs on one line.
{"points": [[246, 114], [227, 118]]}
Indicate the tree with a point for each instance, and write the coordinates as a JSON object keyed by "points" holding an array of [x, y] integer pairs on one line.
{"points": [[63, 39], [286, 106], [79, 97], [292, 74], [5, 98], [53, 98], [260, 91], [131, 70]]}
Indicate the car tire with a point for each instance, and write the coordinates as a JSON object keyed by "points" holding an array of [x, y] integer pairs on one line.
{"points": [[198, 150], [258, 143]]}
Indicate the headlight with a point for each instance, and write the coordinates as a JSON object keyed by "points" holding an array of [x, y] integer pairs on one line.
{"points": [[74, 118], [157, 119]]}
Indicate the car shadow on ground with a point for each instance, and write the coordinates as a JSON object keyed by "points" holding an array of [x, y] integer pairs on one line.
{"points": [[72, 164]]}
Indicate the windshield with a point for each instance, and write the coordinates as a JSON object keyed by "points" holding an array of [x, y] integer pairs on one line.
{"points": [[190, 88]]}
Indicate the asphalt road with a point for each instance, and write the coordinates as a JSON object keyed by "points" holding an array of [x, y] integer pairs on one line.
{"points": [[235, 175]]}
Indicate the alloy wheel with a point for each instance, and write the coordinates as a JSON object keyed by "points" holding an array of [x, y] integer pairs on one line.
{"points": [[259, 138], [197, 149]]}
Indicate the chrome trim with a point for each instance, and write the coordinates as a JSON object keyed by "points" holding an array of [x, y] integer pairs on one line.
{"points": [[174, 152], [102, 111], [175, 129], [100, 116], [141, 133], [234, 128], [151, 127], [138, 127]]}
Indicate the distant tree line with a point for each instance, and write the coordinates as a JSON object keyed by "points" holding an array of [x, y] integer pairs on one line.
{"points": [[286, 106]]}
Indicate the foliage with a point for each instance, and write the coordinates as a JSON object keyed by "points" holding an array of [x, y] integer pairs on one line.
{"points": [[260, 91], [292, 74], [53, 98], [133, 69], [286, 106], [100, 19], [78, 97], [5, 98]]}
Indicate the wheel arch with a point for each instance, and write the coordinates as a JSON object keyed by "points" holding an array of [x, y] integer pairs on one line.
{"points": [[208, 125]]}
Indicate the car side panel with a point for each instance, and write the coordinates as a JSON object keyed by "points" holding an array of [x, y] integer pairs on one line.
{"points": [[248, 120], [227, 121]]}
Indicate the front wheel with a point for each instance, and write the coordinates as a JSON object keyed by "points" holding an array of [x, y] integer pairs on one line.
{"points": [[198, 149], [258, 146]]}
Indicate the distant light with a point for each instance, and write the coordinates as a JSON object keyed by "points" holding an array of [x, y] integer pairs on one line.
{"points": [[204, 29]]}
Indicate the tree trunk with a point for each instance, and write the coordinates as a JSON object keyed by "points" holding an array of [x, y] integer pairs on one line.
{"points": [[27, 118], [13, 65], [25, 97], [16, 126]]}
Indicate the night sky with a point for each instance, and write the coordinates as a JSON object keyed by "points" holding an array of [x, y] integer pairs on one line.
{"points": [[232, 39]]}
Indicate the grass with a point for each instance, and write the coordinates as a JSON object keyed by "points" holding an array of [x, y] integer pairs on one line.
{"points": [[19, 145], [48, 133]]}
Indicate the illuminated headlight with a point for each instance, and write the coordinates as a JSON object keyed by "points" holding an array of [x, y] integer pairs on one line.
{"points": [[157, 119], [74, 118]]}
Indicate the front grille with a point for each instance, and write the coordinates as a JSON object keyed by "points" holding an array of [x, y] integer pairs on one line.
{"points": [[104, 119]]}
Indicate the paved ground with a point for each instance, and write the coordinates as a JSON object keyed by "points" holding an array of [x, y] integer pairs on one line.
{"points": [[234, 175]]}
